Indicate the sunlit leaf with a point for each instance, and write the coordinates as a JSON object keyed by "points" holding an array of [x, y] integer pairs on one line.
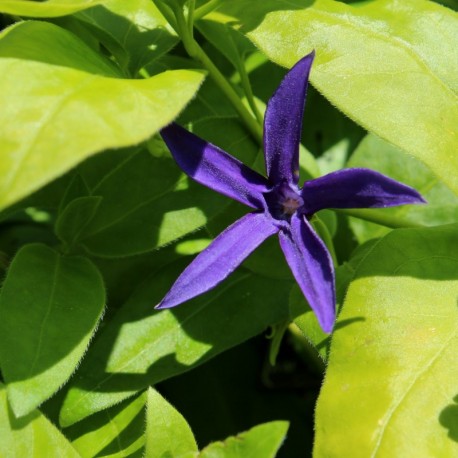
{"points": [[389, 66], [117, 431], [56, 302], [391, 379], [260, 441], [167, 432], [48, 8], [36, 142], [32, 436]]}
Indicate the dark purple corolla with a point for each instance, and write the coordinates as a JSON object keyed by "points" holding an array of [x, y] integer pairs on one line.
{"points": [[281, 207]]}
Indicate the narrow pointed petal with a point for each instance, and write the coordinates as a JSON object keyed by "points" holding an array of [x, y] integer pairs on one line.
{"points": [[213, 167], [312, 267], [220, 258], [283, 123], [356, 188]]}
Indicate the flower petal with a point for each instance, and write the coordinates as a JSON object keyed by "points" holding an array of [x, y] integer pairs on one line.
{"points": [[356, 188], [283, 123], [312, 268], [213, 167], [220, 258]]}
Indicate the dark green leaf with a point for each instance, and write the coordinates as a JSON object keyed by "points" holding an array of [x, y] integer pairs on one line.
{"points": [[379, 155], [141, 347], [47, 43], [134, 31], [75, 217], [55, 301]]}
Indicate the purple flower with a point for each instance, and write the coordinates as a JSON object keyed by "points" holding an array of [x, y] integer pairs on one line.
{"points": [[280, 206]]}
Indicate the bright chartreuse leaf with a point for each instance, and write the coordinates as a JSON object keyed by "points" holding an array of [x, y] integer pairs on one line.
{"points": [[134, 31], [141, 347], [48, 8], [56, 302], [392, 370], [391, 66], [442, 206], [50, 44], [262, 441], [60, 116], [117, 431], [33, 436], [167, 432]]}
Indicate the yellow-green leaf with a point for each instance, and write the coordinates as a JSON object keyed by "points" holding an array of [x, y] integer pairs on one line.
{"points": [[389, 65], [391, 384], [49, 8], [54, 117], [32, 436]]}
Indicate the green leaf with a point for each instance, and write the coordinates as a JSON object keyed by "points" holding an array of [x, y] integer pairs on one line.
{"points": [[32, 436], [76, 187], [167, 432], [49, 8], [231, 43], [55, 301], [141, 347], [388, 65], [134, 31], [391, 378], [379, 155], [37, 144], [50, 44], [262, 441], [117, 431], [148, 202], [75, 217]]}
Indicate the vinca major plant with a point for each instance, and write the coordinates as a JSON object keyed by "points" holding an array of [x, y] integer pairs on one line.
{"points": [[152, 152]]}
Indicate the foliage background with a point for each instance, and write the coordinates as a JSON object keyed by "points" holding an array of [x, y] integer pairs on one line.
{"points": [[97, 221]]}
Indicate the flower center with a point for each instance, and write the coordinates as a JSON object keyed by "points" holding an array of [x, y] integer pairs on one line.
{"points": [[291, 204], [283, 201]]}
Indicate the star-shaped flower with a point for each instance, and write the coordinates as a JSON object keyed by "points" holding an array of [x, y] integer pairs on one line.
{"points": [[280, 206]]}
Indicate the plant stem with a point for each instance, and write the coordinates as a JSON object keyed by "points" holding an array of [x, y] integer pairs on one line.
{"points": [[207, 8], [379, 217], [248, 92], [323, 231], [196, 52]]}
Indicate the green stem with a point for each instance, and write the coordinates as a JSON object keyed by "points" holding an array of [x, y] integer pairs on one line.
{"points": [[305, 349], [207, 8], [379, 217], [323, 231], [248, 92], [196, 52]]}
